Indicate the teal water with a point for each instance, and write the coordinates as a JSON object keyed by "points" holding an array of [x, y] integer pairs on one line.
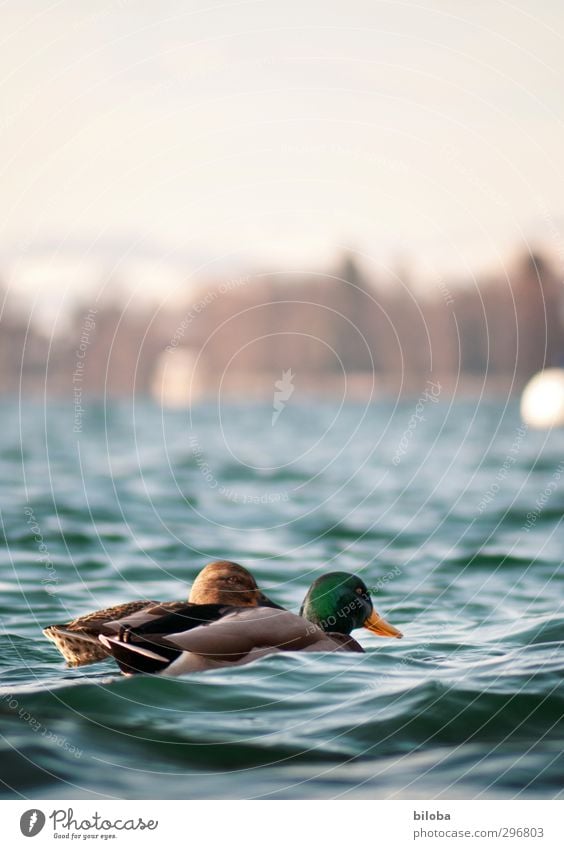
{"points": [[456, 523]]}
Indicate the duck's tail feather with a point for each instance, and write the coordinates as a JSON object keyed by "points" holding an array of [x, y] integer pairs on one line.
{"points": [[77, 647], [143, 656]]}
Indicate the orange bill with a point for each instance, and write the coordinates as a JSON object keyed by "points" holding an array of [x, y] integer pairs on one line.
{"points": [[378, 625]]}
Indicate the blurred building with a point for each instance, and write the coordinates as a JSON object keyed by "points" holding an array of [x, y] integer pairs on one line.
{"points": [[334, 330]]}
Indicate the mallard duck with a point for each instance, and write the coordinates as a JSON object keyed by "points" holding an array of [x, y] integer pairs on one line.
{"points": [[335, 605], [219, 583]]}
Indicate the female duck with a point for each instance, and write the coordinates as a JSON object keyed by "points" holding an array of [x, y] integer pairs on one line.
{"points": [[219, 583]]}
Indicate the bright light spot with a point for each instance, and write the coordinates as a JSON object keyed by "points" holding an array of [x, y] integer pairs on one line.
{"points": [[175, 383], [542, 402]]}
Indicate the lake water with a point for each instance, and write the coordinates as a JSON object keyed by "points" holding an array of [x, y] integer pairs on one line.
{"points": [[453, 516]]}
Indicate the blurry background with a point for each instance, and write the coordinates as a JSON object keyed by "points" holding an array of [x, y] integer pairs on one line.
{"points": [[206, 196]]}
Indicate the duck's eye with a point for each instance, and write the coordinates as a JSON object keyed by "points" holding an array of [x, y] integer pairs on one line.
{"points": [[359, 591]]}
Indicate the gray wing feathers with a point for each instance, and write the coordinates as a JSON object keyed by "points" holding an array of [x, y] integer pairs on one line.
{"points": [[237, 634]]}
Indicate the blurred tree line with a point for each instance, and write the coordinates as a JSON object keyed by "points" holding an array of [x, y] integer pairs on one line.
{"points": [[243, 333]]}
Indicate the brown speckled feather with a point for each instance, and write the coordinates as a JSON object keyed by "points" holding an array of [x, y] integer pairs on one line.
{"points": [[78, 640]]}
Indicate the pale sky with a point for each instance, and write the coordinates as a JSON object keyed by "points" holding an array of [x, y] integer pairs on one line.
{"points": [[165, 136]]}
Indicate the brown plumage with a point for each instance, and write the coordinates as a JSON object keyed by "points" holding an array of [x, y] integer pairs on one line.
{"points": [[221, 582], [227, 583]]}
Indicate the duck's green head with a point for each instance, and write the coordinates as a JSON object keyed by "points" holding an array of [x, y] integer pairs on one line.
{"points": [[340, 602]]}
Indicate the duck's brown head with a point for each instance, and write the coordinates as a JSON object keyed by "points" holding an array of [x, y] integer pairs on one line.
{"points": [[223, 582]]}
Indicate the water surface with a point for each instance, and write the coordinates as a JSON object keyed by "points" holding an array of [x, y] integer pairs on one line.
{"points": [[455, 522]]}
